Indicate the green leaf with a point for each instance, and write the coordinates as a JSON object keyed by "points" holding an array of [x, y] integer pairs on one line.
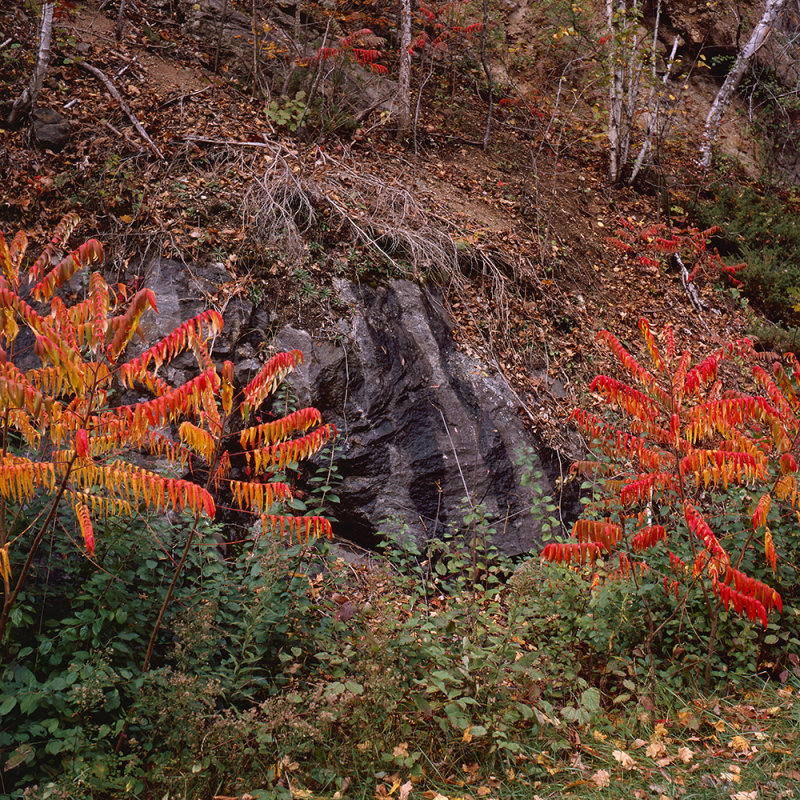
{"points": [[590, 700], [8, 704]]}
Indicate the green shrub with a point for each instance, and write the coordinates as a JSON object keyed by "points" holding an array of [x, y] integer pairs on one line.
{"points": [[196, 720], [761, 230]]}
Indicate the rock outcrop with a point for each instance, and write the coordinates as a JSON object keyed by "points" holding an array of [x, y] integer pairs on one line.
{"points": [[422, 425]]}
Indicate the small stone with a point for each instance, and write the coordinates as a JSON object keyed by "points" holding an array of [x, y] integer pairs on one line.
{"points": [[50, 129]]}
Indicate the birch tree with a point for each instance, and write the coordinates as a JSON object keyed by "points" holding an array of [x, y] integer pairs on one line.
{"points": [[404, 76], [731, 83], [25, 102], [630, 56]]}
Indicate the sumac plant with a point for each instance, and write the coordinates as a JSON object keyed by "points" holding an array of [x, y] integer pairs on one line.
{"points": [[687, 471], [653, 244], [63, 437]]}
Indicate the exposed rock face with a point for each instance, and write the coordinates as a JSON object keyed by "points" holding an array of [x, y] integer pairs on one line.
{"points": [[421, 424], [50, 129]]}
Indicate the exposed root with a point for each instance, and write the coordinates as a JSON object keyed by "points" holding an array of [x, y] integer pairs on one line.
{"points": [[379, 214]]}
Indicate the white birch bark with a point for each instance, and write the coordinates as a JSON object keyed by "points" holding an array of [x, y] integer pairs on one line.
{"points": [[25, 102], [726, 91], [654, 116], [404, 77], [615, 91]]}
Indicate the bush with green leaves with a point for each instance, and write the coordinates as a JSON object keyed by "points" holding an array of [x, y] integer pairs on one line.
{"points": [[72, 676], [760, 228]]}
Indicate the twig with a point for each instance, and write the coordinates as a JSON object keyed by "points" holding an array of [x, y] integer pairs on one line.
{"points": [[227, 142], [122, 135], [181, 97], [123, 105]]}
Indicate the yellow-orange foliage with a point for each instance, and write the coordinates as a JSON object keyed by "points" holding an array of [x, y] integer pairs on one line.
{"points": [[75, 442]]}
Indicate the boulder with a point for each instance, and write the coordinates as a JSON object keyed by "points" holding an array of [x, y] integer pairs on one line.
{"points": [[50, 129], [421, 424]]}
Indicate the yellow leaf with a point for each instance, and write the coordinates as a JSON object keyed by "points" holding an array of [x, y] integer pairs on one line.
{"points": [[467, 737], [126, 218], [599, 736], [739, 745]]}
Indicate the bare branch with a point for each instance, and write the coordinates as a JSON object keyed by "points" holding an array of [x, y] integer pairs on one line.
{"points": [[118, 97]]}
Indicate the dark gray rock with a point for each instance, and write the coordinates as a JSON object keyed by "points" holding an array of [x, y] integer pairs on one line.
{"points": [[182, 291], [421, 425], [50, 129]]}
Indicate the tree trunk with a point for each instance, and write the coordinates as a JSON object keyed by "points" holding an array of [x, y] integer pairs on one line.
{"points": [[404, 78], [616, 91], [726, 91], [120, 26], [25, 102], [488, 73]]}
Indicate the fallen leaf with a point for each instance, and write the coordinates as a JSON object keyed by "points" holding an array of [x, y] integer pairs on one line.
{"points": [[739, 745], [401, 751], [660, 730], [405, 790], [685, 754], [624, 759], [656, 750], [601, 778]]}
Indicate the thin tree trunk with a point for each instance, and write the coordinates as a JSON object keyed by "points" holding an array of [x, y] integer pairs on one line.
{"points": [[404, 78], [120, 26], [488, 72], [726, 91], [616, 94], [654, 117], [26, 101], [220, 31]]}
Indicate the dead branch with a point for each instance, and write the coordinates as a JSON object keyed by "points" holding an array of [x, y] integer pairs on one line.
{"points": [[227, 142], [123, 105], [381, 215]]}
